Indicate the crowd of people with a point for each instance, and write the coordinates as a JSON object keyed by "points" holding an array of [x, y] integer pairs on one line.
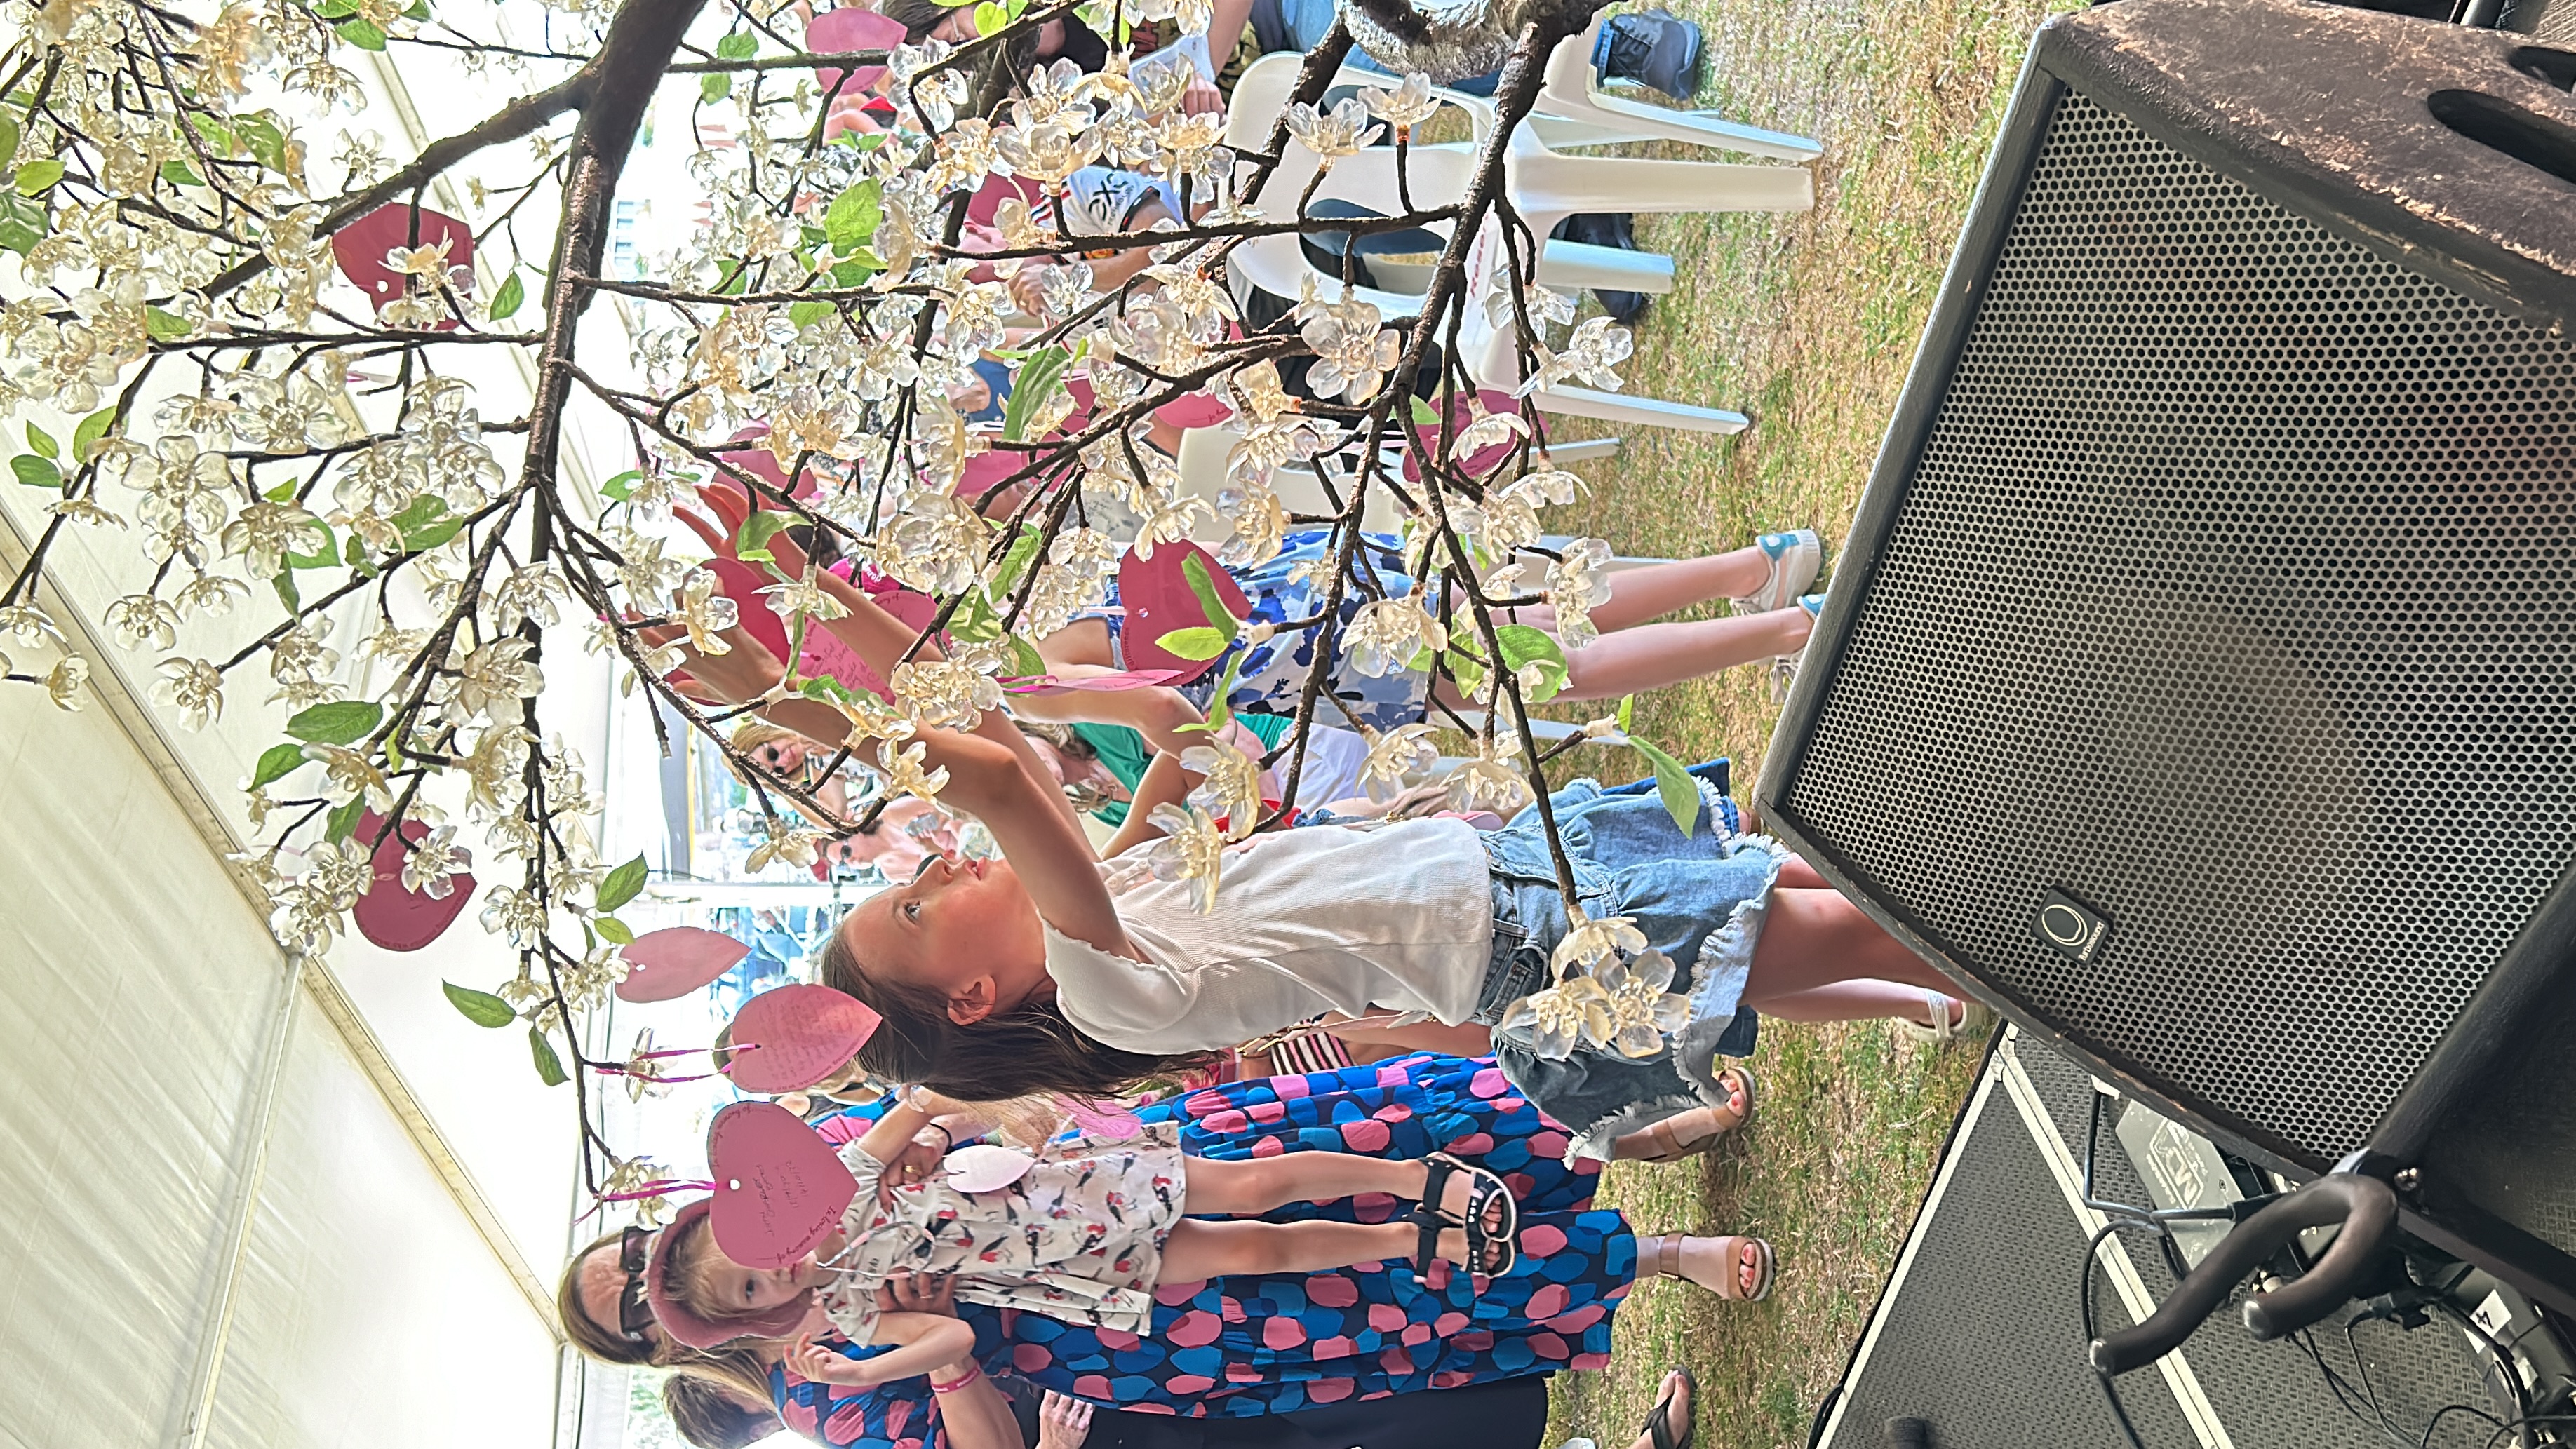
{"points": [[1393, 1249]]}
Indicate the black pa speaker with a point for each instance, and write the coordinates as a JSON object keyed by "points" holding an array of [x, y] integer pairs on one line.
{"points": [[1978, 1339], [2199, 680]]}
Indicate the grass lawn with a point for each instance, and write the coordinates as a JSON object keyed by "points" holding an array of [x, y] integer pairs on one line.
{"points": [[1807, 322]]}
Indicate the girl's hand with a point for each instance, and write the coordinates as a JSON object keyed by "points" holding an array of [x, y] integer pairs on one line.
{"points": [[1028, 287], [931, 1293], [745, 672], [914, 1162], [1063, 1423], [811, 1361]]}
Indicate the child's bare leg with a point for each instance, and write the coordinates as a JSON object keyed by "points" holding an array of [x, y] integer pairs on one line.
{"points": [[1198, 1250], [1256, 1185], [1650, 591], [1651, 656], [1468, 1040], [1816, 938], [1861, 1001], [1084, 641]]}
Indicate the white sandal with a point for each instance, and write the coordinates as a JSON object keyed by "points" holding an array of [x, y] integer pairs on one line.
{"points": [[1973, 1017]]}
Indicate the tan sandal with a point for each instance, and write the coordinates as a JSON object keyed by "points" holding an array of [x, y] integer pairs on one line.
{"points": [[1670, 1146], [1664, 1255]]}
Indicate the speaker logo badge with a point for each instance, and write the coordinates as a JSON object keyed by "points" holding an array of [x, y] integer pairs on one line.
{"points": [[2069, 927]]}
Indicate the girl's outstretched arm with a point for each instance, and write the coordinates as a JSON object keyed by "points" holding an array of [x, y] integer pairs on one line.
{"points": [[926, 1343]]}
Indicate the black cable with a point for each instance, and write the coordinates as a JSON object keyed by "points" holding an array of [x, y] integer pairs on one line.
{"points": [[2084, 1301], [2436, 1421], [2508, 1427]]}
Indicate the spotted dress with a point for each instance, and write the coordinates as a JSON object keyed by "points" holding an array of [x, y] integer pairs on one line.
{"points": [[1260, 1345], [1272, 679], [1078, 1237]]}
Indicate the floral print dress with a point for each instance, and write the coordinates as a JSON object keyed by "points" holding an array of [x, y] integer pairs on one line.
{"points": [[1260, 1345], [1078, 1237], [1291, 586]]}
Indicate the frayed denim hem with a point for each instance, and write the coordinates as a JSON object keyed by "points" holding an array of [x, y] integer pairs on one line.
{"points": [[1596, 1141]]}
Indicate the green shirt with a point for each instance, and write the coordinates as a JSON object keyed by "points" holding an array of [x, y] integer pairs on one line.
{"points": [[1125, 754]]}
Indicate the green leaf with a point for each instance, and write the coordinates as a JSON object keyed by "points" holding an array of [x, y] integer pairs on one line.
{"points": [[23, 223], [338, 825], [429, 536], [853, 216], [713, 88], [734, 278], [1674, 783], [851, 271], [36, 176], [361, 33], [36, 472], [759, 529], [1016, 559], [1034, 385], [549, 1066], [480, 1007], [1524, 645], [284, 492], [1467, 669], [1194, 569], [613, 930], [620, 885], [1627, 711], [327, 556], [989, 18], [8, 141], [506, 301], [265, 138], [165, 326], [284, 583], [1422, 413], [1220, 714], [741, 45], [176, 172], [1026, 661], [342, 722], [1194, 643], [91, 429], [806, 314], [621, 487], [278, 762], [419, 10], [43, 442], [335, 9], [975, 620]]}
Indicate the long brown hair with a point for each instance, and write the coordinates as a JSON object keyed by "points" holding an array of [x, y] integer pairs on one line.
{"points": [[712, 1413], [1027, 1050]]}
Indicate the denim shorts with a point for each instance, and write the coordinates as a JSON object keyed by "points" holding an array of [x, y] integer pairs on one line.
{"points": [[1699, 899]]}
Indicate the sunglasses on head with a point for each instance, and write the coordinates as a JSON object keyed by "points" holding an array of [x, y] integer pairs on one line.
{"points": [[634, 1312]]}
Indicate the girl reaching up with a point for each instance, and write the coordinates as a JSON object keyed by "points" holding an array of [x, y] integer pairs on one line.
{"points": [[1053, 971], [1083, 1234]]}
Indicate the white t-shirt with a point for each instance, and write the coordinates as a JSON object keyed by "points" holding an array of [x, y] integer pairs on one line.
{"points": [[1396, 917]]}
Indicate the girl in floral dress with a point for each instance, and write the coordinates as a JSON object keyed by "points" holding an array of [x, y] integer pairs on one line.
{"points": [[1082, 1232]]}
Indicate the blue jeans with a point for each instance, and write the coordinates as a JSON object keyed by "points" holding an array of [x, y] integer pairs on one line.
{"points": [[1699, 899]]}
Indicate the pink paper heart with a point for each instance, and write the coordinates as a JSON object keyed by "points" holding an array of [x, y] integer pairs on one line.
{"points": [[361, 246], [1480, 462], [789, 1038], [826, 657], [838, 32], [392, 917], [673, 962], [779, 1188], [762, 464], [986, 1167], [1195, 410], [1158, 598]]}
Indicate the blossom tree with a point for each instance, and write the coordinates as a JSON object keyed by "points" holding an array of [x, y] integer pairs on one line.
{"points": [[273, 382]]}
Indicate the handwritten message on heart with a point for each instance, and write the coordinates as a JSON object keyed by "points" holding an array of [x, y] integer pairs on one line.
{"points": [[780, 1189], [789, 1038], [673, 962]]}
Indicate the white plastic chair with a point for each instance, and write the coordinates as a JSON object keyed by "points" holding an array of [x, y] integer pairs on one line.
{"points": [[1569, 97]]}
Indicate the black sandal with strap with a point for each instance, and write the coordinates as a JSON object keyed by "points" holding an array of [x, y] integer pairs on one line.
{"points": [[1484, 1189], [1659, 1420]]}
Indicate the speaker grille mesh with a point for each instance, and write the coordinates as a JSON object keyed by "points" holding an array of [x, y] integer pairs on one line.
{"points": [[2232, 594]]}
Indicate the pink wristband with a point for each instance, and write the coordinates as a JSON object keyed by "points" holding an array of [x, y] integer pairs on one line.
{"points": [[959, 1382]]}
